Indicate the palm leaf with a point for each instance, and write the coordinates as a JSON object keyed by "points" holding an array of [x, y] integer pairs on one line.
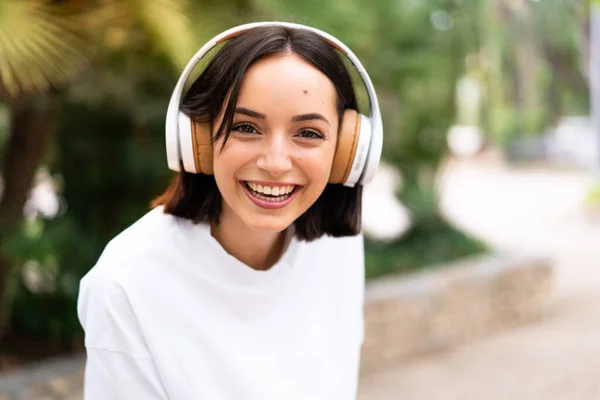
{"points": [[40, 47], [168, 25]]}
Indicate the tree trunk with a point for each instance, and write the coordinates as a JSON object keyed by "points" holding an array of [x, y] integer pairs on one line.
{"points": [[31, 126]]}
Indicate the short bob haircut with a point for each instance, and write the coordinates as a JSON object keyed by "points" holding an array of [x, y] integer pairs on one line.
{"points": [[196, 197]]}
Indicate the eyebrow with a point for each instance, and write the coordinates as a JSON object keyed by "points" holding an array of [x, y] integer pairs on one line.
{"points": [[309, 117], [296, 118], [250, 113]]}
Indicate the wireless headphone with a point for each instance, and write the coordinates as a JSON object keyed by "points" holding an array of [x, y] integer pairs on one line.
{"points": [[360, 138]]}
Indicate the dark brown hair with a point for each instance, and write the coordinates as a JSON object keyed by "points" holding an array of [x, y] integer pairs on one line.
{"points": [[337, 212]]}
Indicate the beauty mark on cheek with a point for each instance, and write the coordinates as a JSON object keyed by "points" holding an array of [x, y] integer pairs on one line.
{"points": [[305, 91]]}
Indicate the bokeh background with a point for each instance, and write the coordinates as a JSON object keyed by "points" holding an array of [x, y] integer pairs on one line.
{"points": [[490, 140]]}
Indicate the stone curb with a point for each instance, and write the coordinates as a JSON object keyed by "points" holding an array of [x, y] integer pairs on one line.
{"points": [[407, 316]]}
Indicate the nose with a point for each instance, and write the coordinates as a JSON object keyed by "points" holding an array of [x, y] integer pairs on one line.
{"points": [[275, 157]]}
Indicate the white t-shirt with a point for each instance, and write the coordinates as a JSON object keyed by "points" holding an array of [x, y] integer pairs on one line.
{"points": [[168, 314]]}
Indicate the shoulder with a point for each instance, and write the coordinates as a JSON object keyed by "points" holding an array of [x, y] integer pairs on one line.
{"points": [[153, 231], [131, 258], [347, 245], [152, 237], [343, 256], [106, 315]]}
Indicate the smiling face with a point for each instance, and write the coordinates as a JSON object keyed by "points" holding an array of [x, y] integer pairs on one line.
{"points": [[277, 159]]}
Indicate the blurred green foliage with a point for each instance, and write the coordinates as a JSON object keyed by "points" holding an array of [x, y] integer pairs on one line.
{"points": [[107, 154], [425, 247], [593, 197]]}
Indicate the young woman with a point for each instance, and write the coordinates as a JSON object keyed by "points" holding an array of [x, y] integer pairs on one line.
{"points": [[245, 281]]}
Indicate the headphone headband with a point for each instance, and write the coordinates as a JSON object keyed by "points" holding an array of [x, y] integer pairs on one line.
{"points": [[173, 144]]}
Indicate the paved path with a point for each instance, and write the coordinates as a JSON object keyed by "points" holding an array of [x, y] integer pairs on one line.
{"points": [[532, 211]]}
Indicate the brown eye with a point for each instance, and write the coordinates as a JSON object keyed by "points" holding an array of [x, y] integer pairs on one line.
{"points": [[310, 134], [244, 128]]}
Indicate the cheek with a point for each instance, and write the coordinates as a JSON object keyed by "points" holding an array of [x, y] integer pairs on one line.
{"points": [[226, 164], [232, 157], [317, 165]]}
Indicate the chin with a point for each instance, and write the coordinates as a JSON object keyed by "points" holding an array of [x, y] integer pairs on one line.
{"points": [[266, 224]]}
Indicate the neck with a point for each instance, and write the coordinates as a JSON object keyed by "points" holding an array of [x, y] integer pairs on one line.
{"points": [[259, 250]]}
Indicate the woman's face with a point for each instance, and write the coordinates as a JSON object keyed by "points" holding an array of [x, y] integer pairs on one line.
{"points": [[278, 157]]}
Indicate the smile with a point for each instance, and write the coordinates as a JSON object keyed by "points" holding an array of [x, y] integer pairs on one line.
{"points": [[270, 196]]}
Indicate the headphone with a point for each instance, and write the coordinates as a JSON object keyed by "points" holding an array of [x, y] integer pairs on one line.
{"points": [[360, 138]]}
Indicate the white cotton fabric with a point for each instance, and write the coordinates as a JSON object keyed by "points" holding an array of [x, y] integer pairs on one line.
{"points": [[168, 314]]}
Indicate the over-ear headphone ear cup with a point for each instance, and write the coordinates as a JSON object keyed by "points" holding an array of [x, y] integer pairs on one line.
{"points": [[347, 142], [203, 149]]}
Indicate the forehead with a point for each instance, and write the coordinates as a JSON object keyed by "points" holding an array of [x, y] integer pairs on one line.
{"points": [[286, 81]]}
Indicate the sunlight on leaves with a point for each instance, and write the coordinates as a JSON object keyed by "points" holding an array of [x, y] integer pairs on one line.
{"points": [[168, 24], [40, 46]]}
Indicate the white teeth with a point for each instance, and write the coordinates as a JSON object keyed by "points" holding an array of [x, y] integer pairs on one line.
{"points": [[271, 190], [271, 198]]}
